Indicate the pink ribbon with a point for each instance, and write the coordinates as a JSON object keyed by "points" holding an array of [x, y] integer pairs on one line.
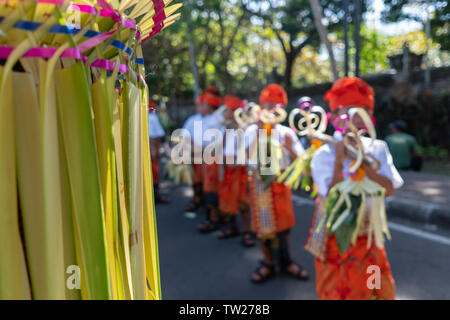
{"points": [[104, 13], [41, 52], [55, 2], [47, 53], [95, 41], [105, 5], [84, 8], [108, 65]]}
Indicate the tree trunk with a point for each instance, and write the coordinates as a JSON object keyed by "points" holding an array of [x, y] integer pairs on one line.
{"points": [[228, 82], [290, 60], [317, 13]]}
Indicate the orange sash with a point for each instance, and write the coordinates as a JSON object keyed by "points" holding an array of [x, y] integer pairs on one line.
{"points": [[233, 189]]}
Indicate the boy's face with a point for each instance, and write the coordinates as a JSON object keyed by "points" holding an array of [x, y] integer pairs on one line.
{"points": [[209, 109], [228, 114], [201, 108], [268, 105], [357, 121], [204, 108]]}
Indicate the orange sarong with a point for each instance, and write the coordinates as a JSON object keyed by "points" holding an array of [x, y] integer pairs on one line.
{"points": [[283, 207], [233, 189], [271, 208], [344, 276], [198, 173]]}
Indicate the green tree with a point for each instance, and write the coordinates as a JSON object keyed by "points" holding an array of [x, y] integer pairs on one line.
{"points": [[396, 10], [293, 25]]}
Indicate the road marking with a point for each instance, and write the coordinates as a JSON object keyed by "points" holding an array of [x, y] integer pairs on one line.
{"points": [[394, 226], [419, 233]]}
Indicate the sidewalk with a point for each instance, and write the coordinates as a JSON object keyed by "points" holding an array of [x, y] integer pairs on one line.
{"points": [[424, 198]]}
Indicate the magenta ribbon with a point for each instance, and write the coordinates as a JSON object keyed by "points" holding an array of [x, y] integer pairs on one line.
{"points": [[41, 52], [105, 5], [95, 41], [84, 8], [75, 53], [108, 65], [158, 18], [55, 2], [105, 12]]}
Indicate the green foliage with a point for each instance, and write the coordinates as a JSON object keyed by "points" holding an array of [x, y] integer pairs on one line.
{"points": [[242, 45], [345, 231], [375, 49], [440, 19], [426, 112]]}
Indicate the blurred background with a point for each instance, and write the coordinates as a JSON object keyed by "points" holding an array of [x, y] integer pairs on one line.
{"points": [[400, 47]]}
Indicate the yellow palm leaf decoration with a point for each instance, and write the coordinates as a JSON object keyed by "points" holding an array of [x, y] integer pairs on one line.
{"points": [[76, 195]]}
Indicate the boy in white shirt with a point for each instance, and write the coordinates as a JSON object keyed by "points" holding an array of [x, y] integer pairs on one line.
{"points": [[344, 275]]}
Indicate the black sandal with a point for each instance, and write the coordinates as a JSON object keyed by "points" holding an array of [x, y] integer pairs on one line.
{"points": [[191, 207], [298, 275], [247, 239], [264, 278], [161, 200], [228, 233], [207, 226]]}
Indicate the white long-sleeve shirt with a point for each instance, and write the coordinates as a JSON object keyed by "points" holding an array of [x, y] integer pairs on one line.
{"points": [[196, 126], [155, 130], [280, 132], [322, 164]]}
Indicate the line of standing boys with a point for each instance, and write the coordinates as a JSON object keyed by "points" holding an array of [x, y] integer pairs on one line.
{"points": [[226, 190]]}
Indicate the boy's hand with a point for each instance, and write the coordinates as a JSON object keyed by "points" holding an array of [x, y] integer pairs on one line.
{"points": [[340, 152], [288, 142]]}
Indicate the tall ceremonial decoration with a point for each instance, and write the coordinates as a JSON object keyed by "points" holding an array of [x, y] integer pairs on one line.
{"points": [[261, 183], [77, 210], [344, 212]]}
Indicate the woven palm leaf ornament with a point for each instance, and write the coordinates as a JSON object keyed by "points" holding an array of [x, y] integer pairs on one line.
{"points": [[265, 148], [74, 156], [248, 115], [311, 119]]}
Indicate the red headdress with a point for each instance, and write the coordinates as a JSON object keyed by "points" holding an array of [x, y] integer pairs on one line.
{"points": [[350, 92], [273, 93], [211, 96], [233, 102], [152, 105]]}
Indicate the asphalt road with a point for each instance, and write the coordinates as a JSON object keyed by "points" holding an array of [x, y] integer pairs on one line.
{"points": [[197, 266]]}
